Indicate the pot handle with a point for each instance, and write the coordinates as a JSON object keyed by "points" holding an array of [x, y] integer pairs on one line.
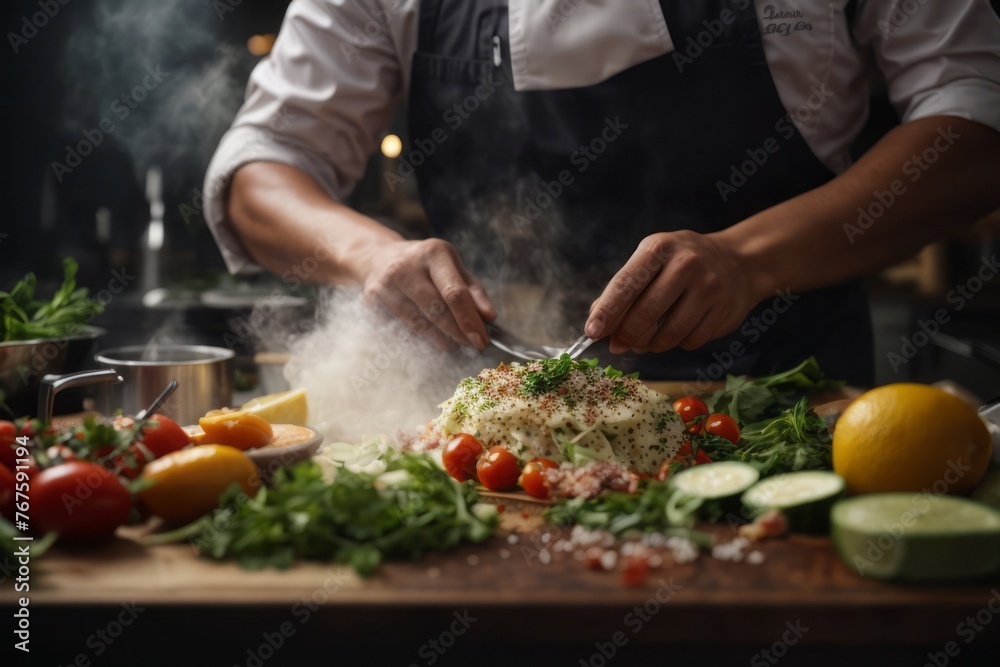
{"points": [[51, 385]]}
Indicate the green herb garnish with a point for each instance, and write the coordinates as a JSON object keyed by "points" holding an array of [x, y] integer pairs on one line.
{"points": [[656, 507], [360, 519], [747, 400], [26, 318], [797, 439]]}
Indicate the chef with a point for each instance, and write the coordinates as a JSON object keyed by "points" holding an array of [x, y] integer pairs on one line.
{"points": [[681, 168]]}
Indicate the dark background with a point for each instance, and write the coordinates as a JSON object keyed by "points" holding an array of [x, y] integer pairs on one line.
{"points": [[63, 81]]}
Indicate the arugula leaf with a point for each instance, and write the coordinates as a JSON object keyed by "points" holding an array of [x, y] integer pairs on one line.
{"points": [[360, 519], [747, 400], [796, 439]]}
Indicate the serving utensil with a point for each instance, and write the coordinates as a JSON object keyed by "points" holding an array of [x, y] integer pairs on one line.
{"points": [[507, 342], [578, 348]]}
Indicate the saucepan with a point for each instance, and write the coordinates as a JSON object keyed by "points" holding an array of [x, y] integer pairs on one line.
{"points": [[203, 374]]}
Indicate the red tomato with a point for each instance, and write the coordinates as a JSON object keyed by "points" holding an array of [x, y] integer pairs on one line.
{"points": [[723, 426], [498, 469], [8, 442], [7, 492], [682, 459], [533, 478], [81, 500], [164, 436], [130, 465], [635, 570], [460, 456], [690, 407]]}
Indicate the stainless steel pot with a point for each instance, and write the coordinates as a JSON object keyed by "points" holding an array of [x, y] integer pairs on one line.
{"points": [[204, 375]]}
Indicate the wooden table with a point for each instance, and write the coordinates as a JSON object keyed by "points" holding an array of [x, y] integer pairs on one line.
{"points": [[802, 605]]}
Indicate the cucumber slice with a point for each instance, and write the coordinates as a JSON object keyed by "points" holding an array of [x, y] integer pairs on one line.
{"points": [[917, 537], [988, 489], [719, 485], [805, 498]]}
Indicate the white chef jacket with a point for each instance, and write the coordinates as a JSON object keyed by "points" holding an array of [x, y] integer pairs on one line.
{"points": [[326, 94]]}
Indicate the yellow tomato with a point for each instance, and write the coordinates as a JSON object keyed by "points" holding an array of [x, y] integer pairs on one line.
{"points": [[186, 484], [236, 428]]}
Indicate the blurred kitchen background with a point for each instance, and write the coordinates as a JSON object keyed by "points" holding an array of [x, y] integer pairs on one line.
{"points": [[132, 205]]}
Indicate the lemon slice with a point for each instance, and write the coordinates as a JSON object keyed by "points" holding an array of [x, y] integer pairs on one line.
{"points": [[286, 407]]}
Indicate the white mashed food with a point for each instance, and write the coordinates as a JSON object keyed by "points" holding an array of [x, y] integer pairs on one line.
{"points": [[562, 410]]}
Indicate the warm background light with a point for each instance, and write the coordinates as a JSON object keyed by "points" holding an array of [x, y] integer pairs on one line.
{"points": [[260, 45], [392, 146]]}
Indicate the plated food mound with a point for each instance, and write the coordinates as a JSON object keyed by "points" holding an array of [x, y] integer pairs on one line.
{"points": [[563, 410]]}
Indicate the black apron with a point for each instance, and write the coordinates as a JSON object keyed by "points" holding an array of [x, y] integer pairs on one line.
{"points": [[559, 187]]}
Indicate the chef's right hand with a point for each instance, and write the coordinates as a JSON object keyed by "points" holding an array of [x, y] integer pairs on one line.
{"points": [[425, 284]]}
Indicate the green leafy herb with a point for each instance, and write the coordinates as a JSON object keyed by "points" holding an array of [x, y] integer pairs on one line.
{"points": [[551, 373], [23, 317], [748, 401], [360, 519], [797, 439], [656, 507]]}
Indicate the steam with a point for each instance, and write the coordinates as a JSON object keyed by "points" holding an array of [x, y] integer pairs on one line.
{"points": [[179, 122], [367, 376]]}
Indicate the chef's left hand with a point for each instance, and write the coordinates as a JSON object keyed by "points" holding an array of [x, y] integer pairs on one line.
{"points": [[678, 289]]}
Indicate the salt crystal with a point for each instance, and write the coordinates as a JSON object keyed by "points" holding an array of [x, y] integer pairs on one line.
{"points": [[755, 557], [513, 539], [608, 559], [544, 557]]}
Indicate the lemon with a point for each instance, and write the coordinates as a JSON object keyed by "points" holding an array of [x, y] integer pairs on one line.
{"points": [[285, 407], [910, 437]]}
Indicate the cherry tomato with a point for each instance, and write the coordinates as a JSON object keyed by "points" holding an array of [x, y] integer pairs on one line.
{"points": [[130, 464], [163, 436], [635, 569], [81, 501], [7, 491], [460, 456], [498, 469], [8, 443], [533, 479], [690, 407], [242, 430], [682, 459], [723, 426]]}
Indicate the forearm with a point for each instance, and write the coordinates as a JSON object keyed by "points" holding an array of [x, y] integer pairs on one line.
{"points": [[284, 217], [821, 237]]}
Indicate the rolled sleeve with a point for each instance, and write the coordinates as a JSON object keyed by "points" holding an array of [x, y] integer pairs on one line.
{"points": [[319, 102], [938, 58]]}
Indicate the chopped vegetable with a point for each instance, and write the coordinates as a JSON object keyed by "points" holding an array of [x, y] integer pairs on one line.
{"points": [[360, 519], [23, 317], [917, 537], [656, 507], [805, 498], [718, 485]]}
